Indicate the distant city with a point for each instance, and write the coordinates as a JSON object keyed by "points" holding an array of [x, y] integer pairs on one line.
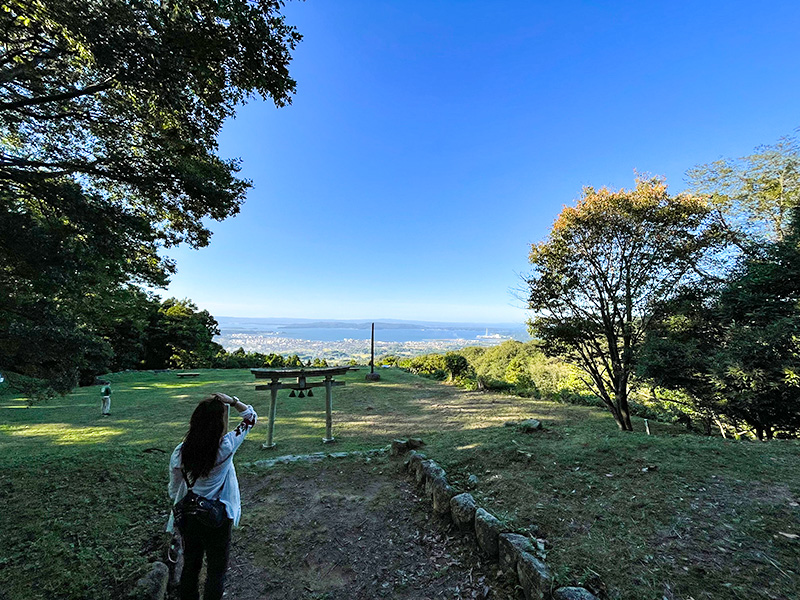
{"points": [[339, 340]]}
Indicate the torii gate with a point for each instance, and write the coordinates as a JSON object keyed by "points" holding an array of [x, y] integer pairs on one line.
{"points": [[301, 384]]}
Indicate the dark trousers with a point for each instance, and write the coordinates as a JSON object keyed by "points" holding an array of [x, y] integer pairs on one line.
{"points": [[215, 543]]}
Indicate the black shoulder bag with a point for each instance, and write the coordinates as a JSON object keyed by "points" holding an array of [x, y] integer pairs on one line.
{"points": [[210, 513]]}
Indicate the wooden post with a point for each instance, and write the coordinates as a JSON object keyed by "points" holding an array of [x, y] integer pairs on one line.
{"points": [[273, 407], [328, 409], [372, 375]]}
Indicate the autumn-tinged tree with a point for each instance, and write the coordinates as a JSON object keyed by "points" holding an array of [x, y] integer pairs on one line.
{"points": [[607, 265]]}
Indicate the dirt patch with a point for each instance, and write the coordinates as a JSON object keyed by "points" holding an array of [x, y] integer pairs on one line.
{"points": [[349, 528]]}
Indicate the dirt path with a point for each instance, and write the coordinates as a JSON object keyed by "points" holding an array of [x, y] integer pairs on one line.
{"points": [[349, 529]]}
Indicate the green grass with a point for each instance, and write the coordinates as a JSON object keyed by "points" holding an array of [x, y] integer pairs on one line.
{"points": [[662, 516], [86, 501]]}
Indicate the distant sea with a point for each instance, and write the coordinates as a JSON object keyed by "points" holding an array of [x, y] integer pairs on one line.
{"points": [[386, 331], [385, 335]]}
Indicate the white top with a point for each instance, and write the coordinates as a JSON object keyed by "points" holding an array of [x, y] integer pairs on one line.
{"points": [[221, 482]]}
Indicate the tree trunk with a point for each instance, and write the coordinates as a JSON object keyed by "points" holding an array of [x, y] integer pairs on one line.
{"points": [[624, 420], [617, 415]]}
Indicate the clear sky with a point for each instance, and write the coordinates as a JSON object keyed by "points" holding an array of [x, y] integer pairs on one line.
{"points": [[429, 143]]}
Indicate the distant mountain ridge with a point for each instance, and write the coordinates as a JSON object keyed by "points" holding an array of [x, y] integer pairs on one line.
{"points": [[258, 323]]}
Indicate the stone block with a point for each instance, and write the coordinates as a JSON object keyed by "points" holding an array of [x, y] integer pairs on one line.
{"points": [[510, 546], [530, 425], [419, 471], [432, 471], [487, 531], [442, 493], [153, 586], [412, 459], [399, 447], [534, 577], [462, 510], [414, 443]]}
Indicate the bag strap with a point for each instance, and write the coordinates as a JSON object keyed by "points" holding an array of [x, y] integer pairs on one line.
{"points": [[190, 485]]}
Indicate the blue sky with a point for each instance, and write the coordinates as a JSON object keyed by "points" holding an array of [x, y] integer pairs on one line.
{"points": [[430, 143]]}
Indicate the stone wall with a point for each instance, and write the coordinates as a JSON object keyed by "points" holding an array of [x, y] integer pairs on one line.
{"points": [[517, 555]]}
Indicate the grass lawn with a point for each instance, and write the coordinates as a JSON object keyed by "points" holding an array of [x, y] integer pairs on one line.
{"points": [[668, 515]]}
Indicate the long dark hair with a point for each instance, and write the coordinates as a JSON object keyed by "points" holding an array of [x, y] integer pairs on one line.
{"points": [[201, 444]]}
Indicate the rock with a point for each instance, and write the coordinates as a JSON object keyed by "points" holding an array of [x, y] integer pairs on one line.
{"points": [[398, 447], [573, 593], [372, 377], [462, 510], [472, 481], [487, 531], [419, 471], [510, 547], [530, 425], [510, 424], [442, 493], [412, 459], [534, 576], [152, 586], [414, 443], [432, 471]]}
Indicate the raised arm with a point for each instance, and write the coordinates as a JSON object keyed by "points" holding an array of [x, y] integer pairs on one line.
{"points": [[249, 419]]}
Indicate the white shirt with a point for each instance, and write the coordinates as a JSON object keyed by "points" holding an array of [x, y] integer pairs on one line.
{"points": [[221, 482]]}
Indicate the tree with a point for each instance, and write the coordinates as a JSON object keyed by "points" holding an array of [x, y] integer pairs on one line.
{"points": [[457, 366], [109, 116], [603, 271], [274, 361], [736, 351], [293, 361], [677, 352], [181, 336], [756, 192]]}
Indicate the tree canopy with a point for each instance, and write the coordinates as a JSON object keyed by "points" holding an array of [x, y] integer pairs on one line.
{"points": [[109, 116], [757, 192], [603, 271], [735, 348]]}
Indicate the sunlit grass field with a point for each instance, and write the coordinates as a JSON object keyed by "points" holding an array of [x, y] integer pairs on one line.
{"points": [[669, 515]]}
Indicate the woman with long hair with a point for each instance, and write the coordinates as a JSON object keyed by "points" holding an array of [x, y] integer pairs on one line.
{"points": [[204, 463]]}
